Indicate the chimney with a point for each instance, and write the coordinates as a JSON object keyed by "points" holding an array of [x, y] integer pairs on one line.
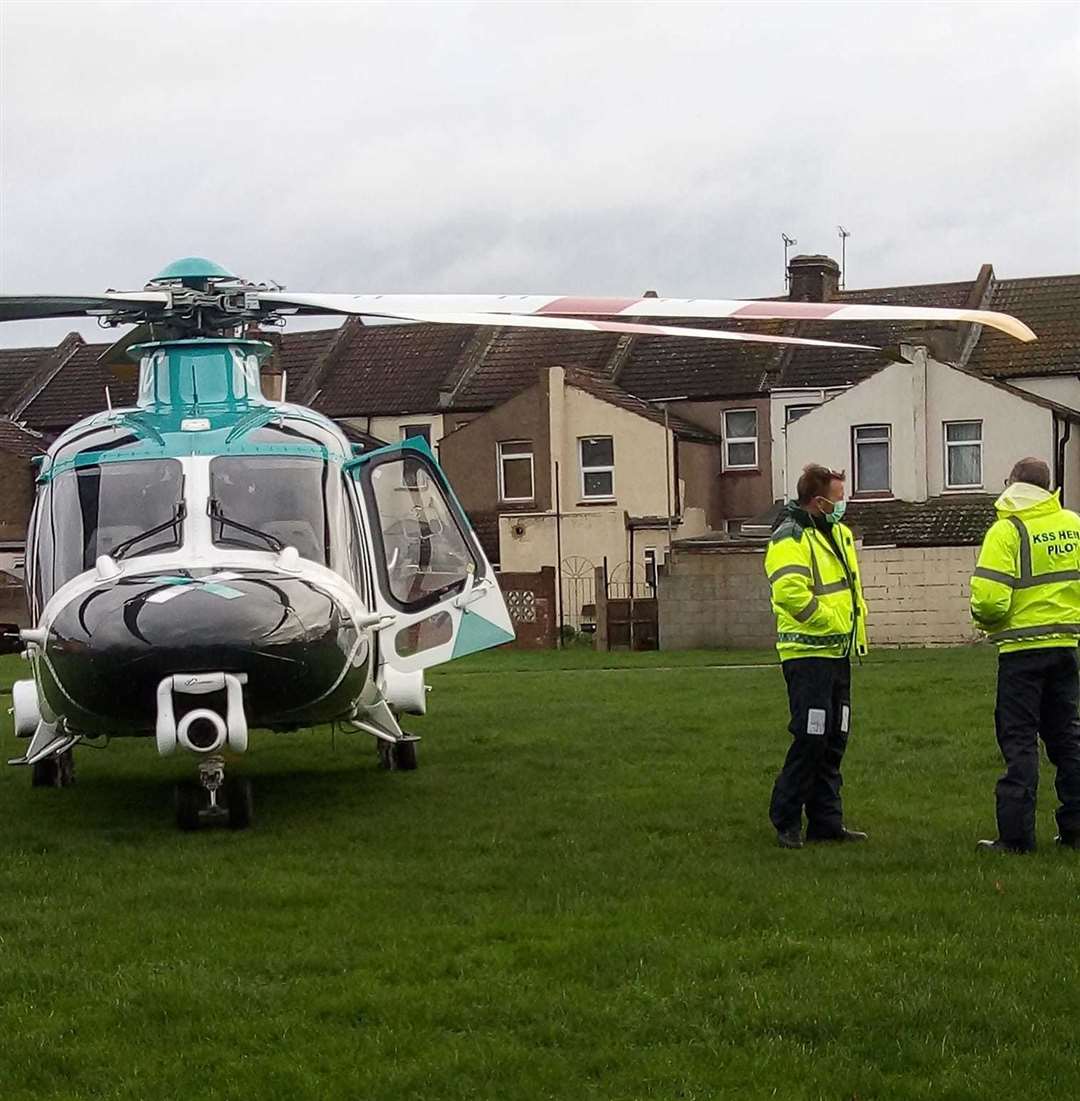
{"points": [[813, 278]]}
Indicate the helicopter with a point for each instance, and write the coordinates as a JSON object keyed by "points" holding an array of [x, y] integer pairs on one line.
{"points": [[209, 561]]}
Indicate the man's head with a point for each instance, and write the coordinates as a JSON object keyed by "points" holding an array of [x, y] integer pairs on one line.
{"points": [[1033, 471], [819, 489]]}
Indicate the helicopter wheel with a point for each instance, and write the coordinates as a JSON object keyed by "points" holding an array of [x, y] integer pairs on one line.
{"points": [[54, 772], [240, 801], [397, 757], [189, 798]]}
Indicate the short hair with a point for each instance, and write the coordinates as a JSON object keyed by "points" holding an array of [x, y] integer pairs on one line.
{"points": [[815, 481], [1035, 472]]}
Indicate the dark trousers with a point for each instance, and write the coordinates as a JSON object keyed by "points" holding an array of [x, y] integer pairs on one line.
{"points": [[819, 693], [1038, 692]]}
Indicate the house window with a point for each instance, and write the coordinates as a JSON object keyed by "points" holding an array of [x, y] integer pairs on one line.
{"points": [[650, 567], [416, 432], [963, 455], [516, 470], [413, 474], [597, 466], [740, 439], [872, 463], [793, 412]]}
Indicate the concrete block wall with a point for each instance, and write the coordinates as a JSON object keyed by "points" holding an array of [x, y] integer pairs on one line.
{"points": [[917, 596]]}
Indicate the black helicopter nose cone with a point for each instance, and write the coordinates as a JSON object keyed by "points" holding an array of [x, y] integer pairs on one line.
{"points": [[109, 648]]}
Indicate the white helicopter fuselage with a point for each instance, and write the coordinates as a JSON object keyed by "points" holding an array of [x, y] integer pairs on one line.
{"points": [[198, 568]]}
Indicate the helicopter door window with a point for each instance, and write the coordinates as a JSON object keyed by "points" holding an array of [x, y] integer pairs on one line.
{"points": [[425, 554]]}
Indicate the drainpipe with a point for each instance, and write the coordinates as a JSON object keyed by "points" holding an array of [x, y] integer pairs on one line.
{"points": [[1059, 457]]}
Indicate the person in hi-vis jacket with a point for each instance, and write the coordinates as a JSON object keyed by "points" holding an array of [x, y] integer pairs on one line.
{"points": [[820, 620], [1025, 594]]}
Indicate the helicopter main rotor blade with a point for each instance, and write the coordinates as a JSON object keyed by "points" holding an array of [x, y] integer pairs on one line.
{"points": [[579, 324], [395, 305], [28, 307]]}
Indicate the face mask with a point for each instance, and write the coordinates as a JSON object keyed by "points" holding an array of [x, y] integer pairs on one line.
{"points": [[837, 514]]}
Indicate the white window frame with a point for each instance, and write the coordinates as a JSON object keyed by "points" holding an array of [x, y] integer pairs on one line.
{"points": [[887, 439], [650, 556], [804, 408], [515, 458], [596, 469], [428, 428], [729, 440], [947, 444]]}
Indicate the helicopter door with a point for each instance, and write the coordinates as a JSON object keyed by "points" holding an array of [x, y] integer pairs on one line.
{"points": [[434, 587]]}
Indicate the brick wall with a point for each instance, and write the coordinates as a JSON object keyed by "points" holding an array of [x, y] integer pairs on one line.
{"points": [[918, 596], [530, 600]]}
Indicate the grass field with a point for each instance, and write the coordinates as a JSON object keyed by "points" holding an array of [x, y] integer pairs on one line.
{"points": [[578, 895]]}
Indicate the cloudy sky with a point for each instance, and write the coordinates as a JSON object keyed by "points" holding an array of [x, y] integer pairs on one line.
{"points": [[512, 147]]}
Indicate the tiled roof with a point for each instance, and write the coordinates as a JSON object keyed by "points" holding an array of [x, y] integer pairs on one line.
{"points": [[514, 357], [486, 526], [954, 521], [835, 367], [366, 439], [297, 353], [667, 366], [17, 440], [389, 369], [1051, 306], [606, 390], [76, 390], [16, 366]]}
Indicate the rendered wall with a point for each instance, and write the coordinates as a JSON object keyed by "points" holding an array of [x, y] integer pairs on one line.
{"points": [[917, 597]]}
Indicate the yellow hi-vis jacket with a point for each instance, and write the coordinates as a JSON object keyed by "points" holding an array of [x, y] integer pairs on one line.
{"points": [[815, 588], [1025, 593]]}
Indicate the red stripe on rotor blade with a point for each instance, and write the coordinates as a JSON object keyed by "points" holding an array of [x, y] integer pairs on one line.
{"points": [[591, 306], [809, 310]]}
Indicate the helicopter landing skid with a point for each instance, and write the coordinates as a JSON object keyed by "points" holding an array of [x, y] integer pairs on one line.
{"points": [[200, 803], [397, 752]]}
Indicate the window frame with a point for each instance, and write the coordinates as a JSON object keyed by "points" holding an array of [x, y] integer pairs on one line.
{"points": [[585, 495], [501, 458], [887, 440], [424, 434], [803, 410], [729, 440], [947, 445]]}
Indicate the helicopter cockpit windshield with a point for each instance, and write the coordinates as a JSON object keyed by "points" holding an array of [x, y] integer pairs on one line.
{"points": [[128, 508], [266, 502]]}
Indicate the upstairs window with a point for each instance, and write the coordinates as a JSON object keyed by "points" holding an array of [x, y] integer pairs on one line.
{"points": [[872, 444], [792, 413], [412, 472], [516, 470], [963, 455], [597, 467], [416, 432], [740, 439]]}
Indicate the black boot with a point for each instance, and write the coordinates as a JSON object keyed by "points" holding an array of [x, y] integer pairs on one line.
{"points": [[1069, 842], [986, 846], [790, 838]]}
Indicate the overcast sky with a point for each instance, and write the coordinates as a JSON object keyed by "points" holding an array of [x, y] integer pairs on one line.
{"points": [[510, 147]]}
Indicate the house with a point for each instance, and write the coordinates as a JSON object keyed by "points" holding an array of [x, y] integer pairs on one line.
{"points": [[574, 471]]}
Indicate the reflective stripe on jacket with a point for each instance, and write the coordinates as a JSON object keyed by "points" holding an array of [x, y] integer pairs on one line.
{"points": [[1025, 592], [816, 592]]}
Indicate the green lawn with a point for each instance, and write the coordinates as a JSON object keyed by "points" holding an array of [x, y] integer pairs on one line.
{"points": [[578, 895]]}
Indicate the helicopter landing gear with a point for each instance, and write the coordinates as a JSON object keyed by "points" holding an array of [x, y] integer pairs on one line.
{"points": [[54, 772], [200, 802], [399, 756]]}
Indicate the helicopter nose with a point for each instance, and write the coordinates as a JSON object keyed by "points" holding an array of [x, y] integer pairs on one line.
{"points": [[109, 648]]}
